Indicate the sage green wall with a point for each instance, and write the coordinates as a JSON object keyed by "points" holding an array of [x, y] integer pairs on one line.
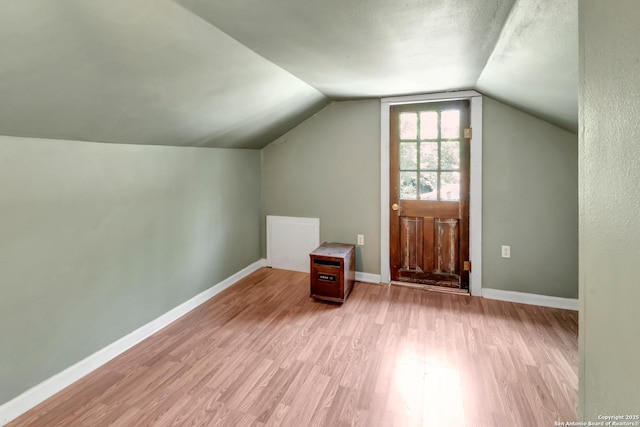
{"points": [[609, 206], [99, 239], [529, 202], [329, 167]]}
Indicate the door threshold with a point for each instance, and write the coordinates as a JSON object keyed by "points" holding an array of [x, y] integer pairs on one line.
{"points": [[434, 288]]}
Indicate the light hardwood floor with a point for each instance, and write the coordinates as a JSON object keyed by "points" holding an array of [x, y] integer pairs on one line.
{"points": [[262, 353]]}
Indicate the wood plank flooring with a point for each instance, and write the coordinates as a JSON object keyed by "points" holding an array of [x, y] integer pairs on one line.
{"points": [[262, 353]]}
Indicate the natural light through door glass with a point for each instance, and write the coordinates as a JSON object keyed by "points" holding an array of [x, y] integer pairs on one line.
{"points": [[408, 126], [409, 185], [429, 185], [428, 155], [408, 155], [450, 186], [450, 155], [428, 125], [450, 124]]}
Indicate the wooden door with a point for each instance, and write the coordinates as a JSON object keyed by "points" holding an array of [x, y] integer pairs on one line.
{"points": [[429, 193]]}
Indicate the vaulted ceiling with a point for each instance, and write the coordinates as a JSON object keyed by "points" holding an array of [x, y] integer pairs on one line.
{"points": [[240, 73]]}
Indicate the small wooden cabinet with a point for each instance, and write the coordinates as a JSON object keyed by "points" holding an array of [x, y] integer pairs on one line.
{"points": [[333, 271]]}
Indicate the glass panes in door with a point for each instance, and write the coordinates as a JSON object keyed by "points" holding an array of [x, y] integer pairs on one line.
{"points": [[429, 155]]}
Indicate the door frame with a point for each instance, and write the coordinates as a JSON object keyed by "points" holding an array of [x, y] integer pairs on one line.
{"points": [[475, 184]]}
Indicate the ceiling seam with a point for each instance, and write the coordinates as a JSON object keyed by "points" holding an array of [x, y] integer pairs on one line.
{"points": [[249, 49], [495, 44]]}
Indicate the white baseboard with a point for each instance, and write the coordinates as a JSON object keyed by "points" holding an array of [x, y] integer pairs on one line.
{"points": [[39, 393], [532, 299], [367, 277]]}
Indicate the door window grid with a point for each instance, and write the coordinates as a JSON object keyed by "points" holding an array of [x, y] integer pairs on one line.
{"points": [[430, 155]]}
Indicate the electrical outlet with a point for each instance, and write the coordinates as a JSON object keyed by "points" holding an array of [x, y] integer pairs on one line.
{"points": [[506, 251], [360, 239]]}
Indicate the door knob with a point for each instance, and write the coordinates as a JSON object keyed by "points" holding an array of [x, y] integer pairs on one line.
{"points": [[395, 207]]}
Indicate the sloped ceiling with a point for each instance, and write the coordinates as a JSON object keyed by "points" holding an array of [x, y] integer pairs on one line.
{"points": [[366, 48], [139, 71], [240, 73], [534, 65]]}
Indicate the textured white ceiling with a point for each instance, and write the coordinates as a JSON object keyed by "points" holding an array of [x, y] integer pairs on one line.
{"points": [[142, 72], [534, 65], [366, 48], [240, 73]]}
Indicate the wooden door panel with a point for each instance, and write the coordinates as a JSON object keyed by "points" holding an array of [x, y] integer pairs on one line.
{"points": [[429, 258], [447, 246], [411, 243], [430, 251]]}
